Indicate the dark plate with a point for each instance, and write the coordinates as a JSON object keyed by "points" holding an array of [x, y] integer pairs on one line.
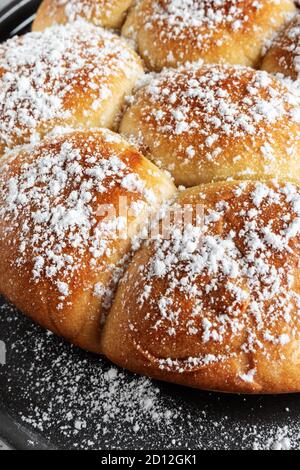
{"points": [[55, 396]]}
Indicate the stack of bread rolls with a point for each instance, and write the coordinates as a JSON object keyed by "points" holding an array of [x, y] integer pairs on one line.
{"points": [[150, 185]]}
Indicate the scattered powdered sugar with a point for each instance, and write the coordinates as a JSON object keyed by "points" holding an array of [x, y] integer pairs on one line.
{"points": [[91, 10], [183, 17], [287, 47], [92, 404], [82, 391], [208, 109], [198, 20], [280, 440], [239, 279], [75, 400], [185, 28], [249, 376], [53, 203], [43, 77]]}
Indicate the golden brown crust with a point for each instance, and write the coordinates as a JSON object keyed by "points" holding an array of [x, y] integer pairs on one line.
{"points": [[75, 75], [216, 122], [168, 33], [283, 54], [64, 237], [106, 13], [217, 307]]}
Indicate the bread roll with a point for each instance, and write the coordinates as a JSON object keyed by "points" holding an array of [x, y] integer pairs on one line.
{"points": [[106, 13], [283, 56], [75, 75], [69, 209], [216, 305], [171, 32], [215, 122]]}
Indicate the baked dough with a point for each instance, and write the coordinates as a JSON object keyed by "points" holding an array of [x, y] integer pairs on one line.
{"points": [[216, 122], [172, 32], [216, 305], [69, 209], [106, 13], [75, 75], [283, 55]]}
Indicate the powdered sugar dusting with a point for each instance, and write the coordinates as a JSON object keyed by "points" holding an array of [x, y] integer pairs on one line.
{"points": [[230, 286], [184, 18], [76, 401], [91, 10], [186, 30], [52, 202], [286, 49], [212, 111], [44, 77]]}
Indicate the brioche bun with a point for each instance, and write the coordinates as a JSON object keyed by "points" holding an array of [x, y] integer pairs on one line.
{"points": [[283, 55], [106, 13], [216, 122], [75, 75], [171, 32], [65, 234], [216, 307]]}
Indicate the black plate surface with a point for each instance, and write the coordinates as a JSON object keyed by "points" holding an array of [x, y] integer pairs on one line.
{"points": [[55, 396]]}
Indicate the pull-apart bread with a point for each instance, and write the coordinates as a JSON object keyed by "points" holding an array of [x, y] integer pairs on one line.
{"points": [[76, 75], [69, 209]]}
